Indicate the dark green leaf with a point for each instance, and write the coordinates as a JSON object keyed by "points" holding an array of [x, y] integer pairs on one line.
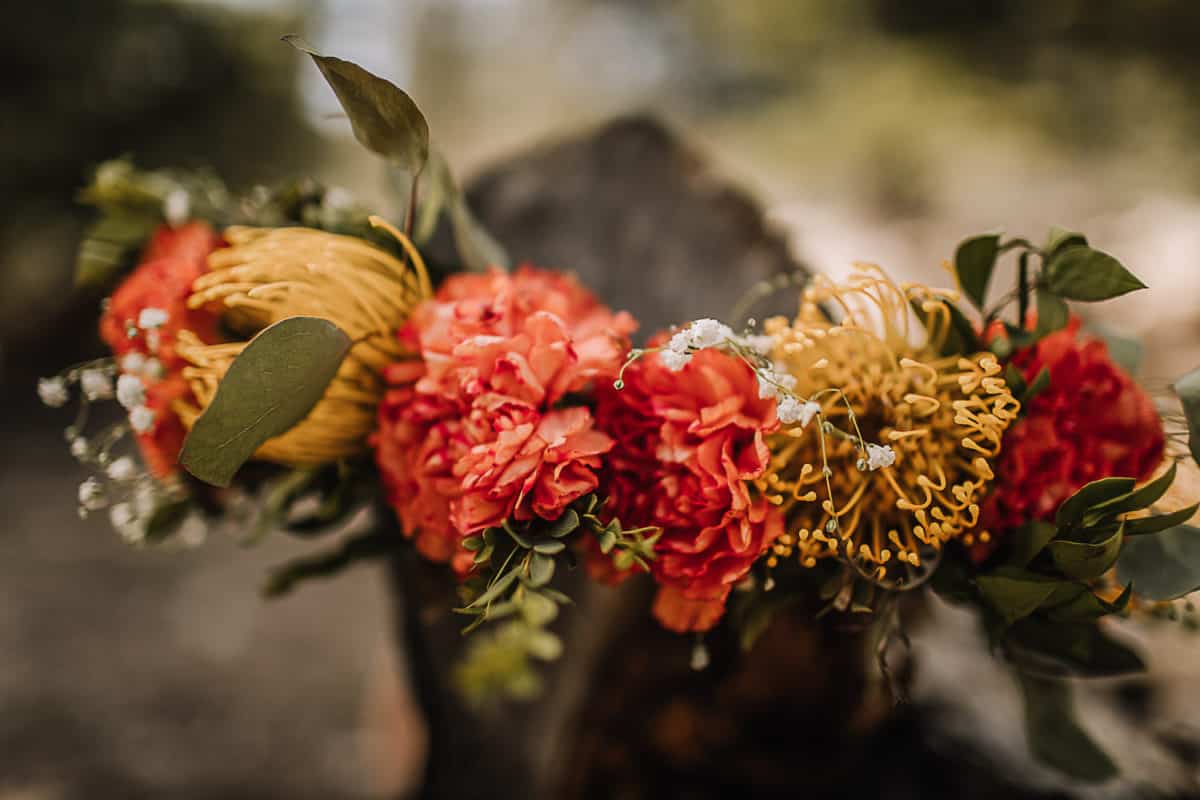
{"points": [[473, 544], [1014, 380], [1054, 736], [385, 120], [1162, 566], [1084, 606], [1087, 560], [1070, 648], [1061, 239], [1081, 273], [549, 548], [496, 590], [1015, 596], [974, 261], [1029, 540], [270, 387], [1052, 312], [1188, 389], [476, 247], [1138, 499], [961, 338], [1161, 522], [565, 524], [166, 519], [1074, 507], [541, 570], [279, 494], [368, 546], [608, 540], [518, 536]]}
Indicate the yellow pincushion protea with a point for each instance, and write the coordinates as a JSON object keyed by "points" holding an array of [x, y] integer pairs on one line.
{"points": [[270, 274], [942, 417]]}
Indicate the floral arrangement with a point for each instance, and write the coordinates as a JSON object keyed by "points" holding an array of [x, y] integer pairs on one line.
{"points": [[284, 359]]}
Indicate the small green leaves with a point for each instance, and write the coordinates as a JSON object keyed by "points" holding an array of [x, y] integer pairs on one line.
{"points": [[1070, 648], [1188, 389], [1054, 735], [1060, 239], [360, 548], [384, 118], [1087, 560], [974, 261], [1081, 273], [1052, 312], [1039, 384], [1029, 540], [1093, 494], [1015, 595], [271, 386], [1164, 565]]}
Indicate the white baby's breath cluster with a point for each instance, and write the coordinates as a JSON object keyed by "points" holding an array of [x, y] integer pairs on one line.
{"points": [[775, 381], [133, 497]]}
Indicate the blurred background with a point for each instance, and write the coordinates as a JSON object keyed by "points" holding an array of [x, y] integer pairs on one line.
{"points": [[881, 130]]}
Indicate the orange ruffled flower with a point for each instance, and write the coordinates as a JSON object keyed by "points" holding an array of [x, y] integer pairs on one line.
{"points": [[688, 443], [172, 260], [476, 432]]}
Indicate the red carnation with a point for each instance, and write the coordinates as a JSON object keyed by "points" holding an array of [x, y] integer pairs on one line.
{"points": [[688, 443], [162, 281], [477, 431], [1093, 421]]}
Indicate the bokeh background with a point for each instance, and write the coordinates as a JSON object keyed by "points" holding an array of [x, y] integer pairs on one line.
{"points": [[881, 130]]}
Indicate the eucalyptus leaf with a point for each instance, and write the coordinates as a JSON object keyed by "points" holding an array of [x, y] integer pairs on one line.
{"points": [[974, 261], [496, 590], [1164, 565], [543, 645], [1074, 507], [1082, 273], [384, 118], [1054, 735], [541, 570], [1188, 389], [567, 523], [538, 609], [271, 386]]}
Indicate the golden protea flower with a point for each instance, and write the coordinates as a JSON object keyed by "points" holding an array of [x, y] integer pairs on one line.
{"points": [[269, 274], [879, 380]]}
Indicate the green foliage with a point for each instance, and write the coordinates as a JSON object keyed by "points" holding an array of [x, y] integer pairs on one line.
{"points": [[1079, 272], [1054, 735], [369, 546], [385, 120], [1052, 312], [271, 386], [1060, 239], [1188, 389], [1163, 565], [311, 501], [974, 261]]}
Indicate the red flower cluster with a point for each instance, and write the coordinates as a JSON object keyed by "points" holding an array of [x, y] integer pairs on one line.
{"points": [[687, 444], [1092, 422], [162, 280], [481, 428]]}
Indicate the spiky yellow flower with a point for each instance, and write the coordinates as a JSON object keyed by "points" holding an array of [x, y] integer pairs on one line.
{"points": [[879, 379], [270, 274]]}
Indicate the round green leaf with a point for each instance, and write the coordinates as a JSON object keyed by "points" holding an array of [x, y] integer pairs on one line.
{"points": [[974, 261], [272, 385], [1162, 566]]}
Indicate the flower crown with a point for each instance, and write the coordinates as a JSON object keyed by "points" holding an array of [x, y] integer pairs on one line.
{"points": [[291, 354]]}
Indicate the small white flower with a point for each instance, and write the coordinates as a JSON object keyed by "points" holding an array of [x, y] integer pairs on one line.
{"points": [[151, 317], [53, 392], [142, 419], [91, 495], [766, 386], [96, 384], [679, 343], [152, 340], [761, 343], [177, 207], [337, 199], [145, 498], [131, 392], [121, 515], [133, 363], [784, 378], [699, 661], [789, 410], [807, 412], [123, 469], [79, 447], [708, 333], [193, 531], [154, 369], [879, 456], [674, 360]]}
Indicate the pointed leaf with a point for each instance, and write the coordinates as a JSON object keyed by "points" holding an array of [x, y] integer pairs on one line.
{"points": [[1029, 540], [1061, 239], [272, 385], [1138, 499], [1188, 389], [1161, 522], [974, 261], [1087, 560], [1039, 384], [1082, 273], [1074, 507], [1015, 597], [384, 118], [1052, 312], [1071, 648]]}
